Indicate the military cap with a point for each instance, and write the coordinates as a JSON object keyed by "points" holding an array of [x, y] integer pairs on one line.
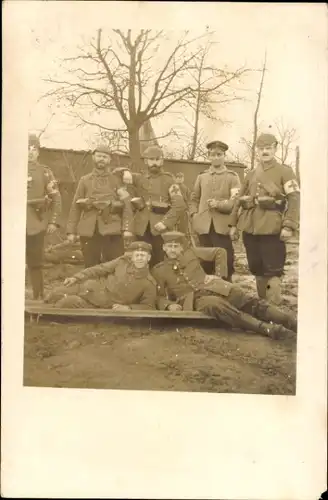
{"points": [[140, 245], [217, 145], [102, 148], [171, 236], [266, 140], [153, 152], [33, 140]]}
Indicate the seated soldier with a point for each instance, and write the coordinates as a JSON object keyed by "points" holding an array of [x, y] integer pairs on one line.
{"points": [[122, 284], [184, 285]]}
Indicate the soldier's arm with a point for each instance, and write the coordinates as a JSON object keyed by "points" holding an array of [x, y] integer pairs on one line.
{"points": [[292, 192], [147, 301], [178, 206], [236, 204], [234, 190], [76, 209], [53, 194], [98, 271], [163, 300], [195, 197], [216, 255]]}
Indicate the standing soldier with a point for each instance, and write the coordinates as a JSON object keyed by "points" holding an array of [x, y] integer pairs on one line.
{"points": [[42, 213], [212, 201], [267, 213], [101, 213], [183, 224], [159, 204]]}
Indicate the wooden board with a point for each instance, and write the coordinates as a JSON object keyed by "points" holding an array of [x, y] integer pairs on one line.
{"points": [[41, 309]]}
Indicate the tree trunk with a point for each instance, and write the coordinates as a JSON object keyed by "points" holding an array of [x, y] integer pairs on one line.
{"points": [[297, 165], [255, 126], [196, 126], [134, 148]]}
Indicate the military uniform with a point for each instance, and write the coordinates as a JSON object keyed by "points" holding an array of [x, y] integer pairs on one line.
{"points": [[99, 217], [183, 281], [43, 208], [159, 200], [212, 224], [102, 286], [267, 203]]}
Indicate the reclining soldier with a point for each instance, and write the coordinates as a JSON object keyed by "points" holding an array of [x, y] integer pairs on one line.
{"points": [[184, 285], [121, 284]]}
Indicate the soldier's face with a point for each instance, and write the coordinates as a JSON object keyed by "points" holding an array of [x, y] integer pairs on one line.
{"points": [[154, 164], [216, 157], [140, 258], [102, 160], [267, 153], [33, 153], [173, 249]]}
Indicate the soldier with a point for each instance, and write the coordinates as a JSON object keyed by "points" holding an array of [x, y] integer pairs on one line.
{"points": [[265, 219], [212, 201], [101, 213], [183, 284], [42, 213], [183, 224], [121, 285], [159, 204]]}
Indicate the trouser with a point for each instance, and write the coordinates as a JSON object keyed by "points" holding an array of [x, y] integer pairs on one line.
{"points": [[101, 248], [34, 261], [240, 310], [266, 254], [89, 294], [213, 239], [156, 241]]}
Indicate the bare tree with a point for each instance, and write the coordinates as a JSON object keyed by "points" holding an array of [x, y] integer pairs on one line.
{"points": [[287, 136], [255, 118], [210, 86], [117, 75]]}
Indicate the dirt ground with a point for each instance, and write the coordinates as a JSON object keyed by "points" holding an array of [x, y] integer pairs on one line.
{"points": [[157, 355]]}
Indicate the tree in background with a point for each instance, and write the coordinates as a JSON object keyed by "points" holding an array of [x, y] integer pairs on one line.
{"points": [[137, 76]]}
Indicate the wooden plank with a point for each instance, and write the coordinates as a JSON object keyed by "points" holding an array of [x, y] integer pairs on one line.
{"points": [[41, 309]]}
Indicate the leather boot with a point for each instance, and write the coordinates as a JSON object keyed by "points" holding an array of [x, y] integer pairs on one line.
{"points": [[271, 313], [273, 290], [36, 277], [261, 285]]}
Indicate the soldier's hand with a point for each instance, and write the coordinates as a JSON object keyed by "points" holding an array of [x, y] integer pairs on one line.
{"points": [[51, 228], [127, 234], [160, 227], [233, 233], [212, 203], [121, 307], [286, 234], [70, 281], [71, 238], [174, 307], [123, 194]]}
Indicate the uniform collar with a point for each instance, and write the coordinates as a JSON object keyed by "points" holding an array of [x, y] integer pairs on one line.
{"points": [[212, 170], [267, 166], [151, 174], [100, 173], [137, 273]]}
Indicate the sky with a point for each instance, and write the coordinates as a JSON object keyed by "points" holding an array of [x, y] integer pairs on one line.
{"points": [[244, 33]]}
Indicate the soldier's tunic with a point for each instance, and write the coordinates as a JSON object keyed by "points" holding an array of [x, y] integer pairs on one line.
{"points": [[43, 208], [99, 226], [102, 286], [272, 204], [212, 225], [182, 281], [162, 201]]}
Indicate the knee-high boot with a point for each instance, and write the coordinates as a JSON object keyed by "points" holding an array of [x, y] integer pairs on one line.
{"points": [[269, 312], [261, 285], [36, 277], [273, 290]]}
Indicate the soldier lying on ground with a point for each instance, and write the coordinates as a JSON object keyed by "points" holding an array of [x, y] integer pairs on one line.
{"points": [[183, 285], [122, 284]]}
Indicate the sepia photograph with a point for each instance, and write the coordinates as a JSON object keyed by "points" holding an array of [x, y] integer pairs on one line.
{"points": [[163, 215], [164, 284]]}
